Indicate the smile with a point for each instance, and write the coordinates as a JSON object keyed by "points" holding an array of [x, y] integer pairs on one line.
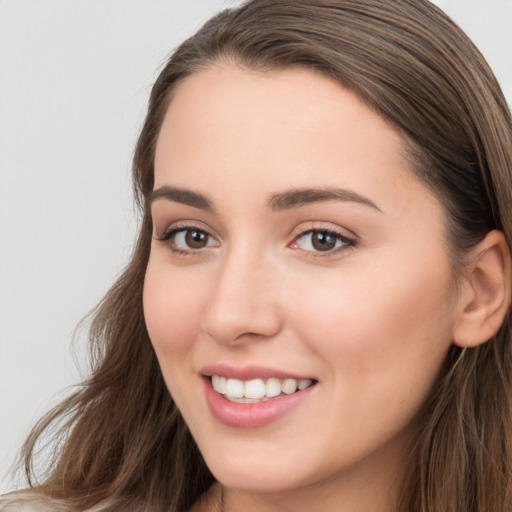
{"points": [[253, 396], [257, 390]]}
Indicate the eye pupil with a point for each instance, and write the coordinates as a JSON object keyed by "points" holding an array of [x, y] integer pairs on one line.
{"points": [[196, 239], [323, 241]]}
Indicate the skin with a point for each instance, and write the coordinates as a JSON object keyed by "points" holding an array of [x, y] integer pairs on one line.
{"points": [[371, 321]]}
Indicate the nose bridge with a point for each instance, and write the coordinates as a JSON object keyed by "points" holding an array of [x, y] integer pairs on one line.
{"points": [[243, 301]]}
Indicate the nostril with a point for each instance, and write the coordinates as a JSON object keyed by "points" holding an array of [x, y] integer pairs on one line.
{"points": [[239, 327]]}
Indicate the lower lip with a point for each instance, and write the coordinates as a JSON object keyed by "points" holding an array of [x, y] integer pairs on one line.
{"points": [[255, 415]]}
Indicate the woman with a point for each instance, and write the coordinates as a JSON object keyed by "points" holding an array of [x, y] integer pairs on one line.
{"points": [[316, 314]]}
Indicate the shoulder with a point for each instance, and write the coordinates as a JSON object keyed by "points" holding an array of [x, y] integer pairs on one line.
{"points": [[25, 502]]}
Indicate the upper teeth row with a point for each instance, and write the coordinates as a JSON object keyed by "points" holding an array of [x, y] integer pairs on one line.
{"points": [[257, 388]]}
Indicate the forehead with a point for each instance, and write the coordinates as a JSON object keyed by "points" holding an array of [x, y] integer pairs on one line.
{"points": [[253, 130], [255, 104]]}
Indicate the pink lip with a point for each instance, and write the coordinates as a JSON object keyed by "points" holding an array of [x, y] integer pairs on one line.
{"points": [[254, 415], [249, 372]]}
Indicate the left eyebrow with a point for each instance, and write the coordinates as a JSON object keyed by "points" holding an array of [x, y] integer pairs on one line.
{"points": [[303, 196]]}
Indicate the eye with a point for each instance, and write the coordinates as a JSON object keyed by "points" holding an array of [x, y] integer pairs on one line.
{"points": [[318, 240], [187, 240], [192, 239]]}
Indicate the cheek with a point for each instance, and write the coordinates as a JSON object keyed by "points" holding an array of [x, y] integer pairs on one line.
{"points": [[384, 333], [171, 310]]}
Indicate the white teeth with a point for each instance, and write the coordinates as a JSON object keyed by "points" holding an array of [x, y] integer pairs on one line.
{"points": [[289, 386], [246, 400], [219, 384], [235, 388], [255, 390], [273, 388], [304, 383]]}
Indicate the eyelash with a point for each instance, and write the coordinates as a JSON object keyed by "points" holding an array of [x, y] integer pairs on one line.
{"points": [[168, 238], [346, 242]]}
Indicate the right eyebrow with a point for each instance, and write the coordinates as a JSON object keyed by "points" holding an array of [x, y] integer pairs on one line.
{"points": [[182, 196]]}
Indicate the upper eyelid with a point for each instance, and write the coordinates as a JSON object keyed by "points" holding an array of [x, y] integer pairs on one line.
{"points": [[333, 231], [307, 227], [183, 225], [347, 240]]}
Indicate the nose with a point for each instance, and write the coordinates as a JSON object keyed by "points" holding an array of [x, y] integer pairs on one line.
{"points": [[243, 305]]}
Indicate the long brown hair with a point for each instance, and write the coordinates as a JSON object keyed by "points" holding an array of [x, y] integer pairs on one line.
{"points": [[120, 442]]}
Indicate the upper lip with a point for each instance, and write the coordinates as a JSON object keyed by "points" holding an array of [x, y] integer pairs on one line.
{"points": [[249, 372]]}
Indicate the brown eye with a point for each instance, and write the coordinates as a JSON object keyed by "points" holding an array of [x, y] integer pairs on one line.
{"points": [[189, 240], [323, 241], [195, 239], [317, 240]]}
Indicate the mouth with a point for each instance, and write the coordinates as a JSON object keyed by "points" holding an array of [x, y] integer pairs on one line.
{"points": [[257, 390], [253, 396]]}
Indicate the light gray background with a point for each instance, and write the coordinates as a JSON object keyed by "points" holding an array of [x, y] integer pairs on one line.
{"points": [[74, 80]]}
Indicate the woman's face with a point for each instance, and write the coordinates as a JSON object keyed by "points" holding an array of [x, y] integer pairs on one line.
{"points": [[293, 248]]}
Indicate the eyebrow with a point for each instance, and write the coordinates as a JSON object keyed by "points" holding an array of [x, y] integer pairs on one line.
{"points": [[301, 197], [278, 202], [183, 196]]}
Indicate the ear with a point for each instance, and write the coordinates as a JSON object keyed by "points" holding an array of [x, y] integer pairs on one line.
{"points": [[485, 292]]}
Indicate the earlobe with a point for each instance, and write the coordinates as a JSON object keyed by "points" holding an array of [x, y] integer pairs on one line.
{"points": [[486, 291]]}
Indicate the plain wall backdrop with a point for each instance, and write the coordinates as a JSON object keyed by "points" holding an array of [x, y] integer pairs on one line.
{"points": [[75, 76]]}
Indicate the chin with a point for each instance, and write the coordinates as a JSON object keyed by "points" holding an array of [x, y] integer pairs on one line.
{"points": [[256, 474], [259, 481]]}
